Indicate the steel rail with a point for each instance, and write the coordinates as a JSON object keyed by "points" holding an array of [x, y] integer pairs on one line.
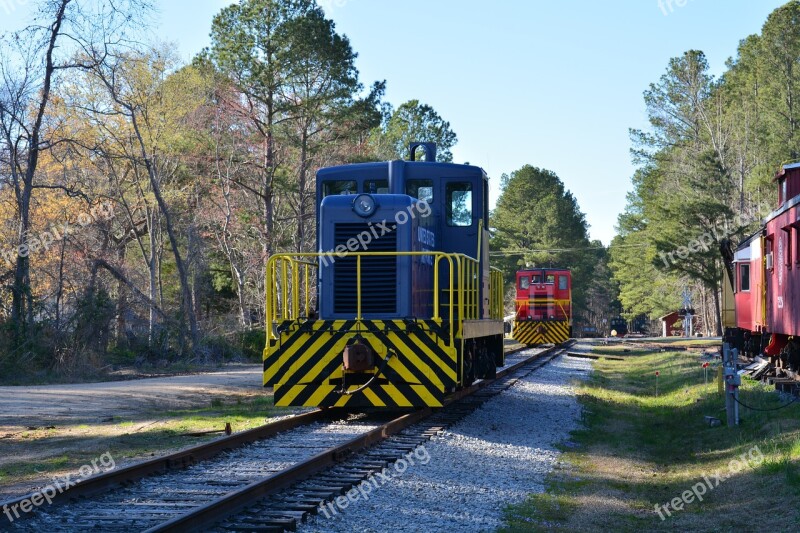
{"points": [[174, 461]]}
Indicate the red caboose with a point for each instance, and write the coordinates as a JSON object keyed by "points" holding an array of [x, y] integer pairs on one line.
{"points": [[543, 306], [767, 279]]}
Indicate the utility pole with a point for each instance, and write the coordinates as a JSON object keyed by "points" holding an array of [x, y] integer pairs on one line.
{"points": [[687, 312]]}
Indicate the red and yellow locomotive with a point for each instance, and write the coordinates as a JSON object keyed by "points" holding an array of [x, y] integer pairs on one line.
{"points": [[543, 306]]}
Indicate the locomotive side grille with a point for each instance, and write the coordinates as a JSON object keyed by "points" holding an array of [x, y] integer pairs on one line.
{"points": [[378, 274]]}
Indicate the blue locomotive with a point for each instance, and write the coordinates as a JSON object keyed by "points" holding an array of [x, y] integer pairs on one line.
{"points": [[399, 307]]}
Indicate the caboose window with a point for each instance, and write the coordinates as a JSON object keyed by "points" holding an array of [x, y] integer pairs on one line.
{"points": [[797, 244], [422, 190], [376, 186], [744, 277], [769, 249], [331, 188], [524, 282], [562, 283], [550, 279], [459, 204]]}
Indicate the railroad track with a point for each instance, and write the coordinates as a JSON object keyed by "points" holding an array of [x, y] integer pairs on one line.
{"points": [[268, 478]]}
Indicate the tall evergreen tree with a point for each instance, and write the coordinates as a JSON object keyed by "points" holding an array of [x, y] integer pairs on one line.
{"points": [[537, 222], [412, 122], [255, 43]]}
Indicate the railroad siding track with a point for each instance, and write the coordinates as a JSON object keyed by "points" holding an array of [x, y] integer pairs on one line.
{"points": [[151, 501]]}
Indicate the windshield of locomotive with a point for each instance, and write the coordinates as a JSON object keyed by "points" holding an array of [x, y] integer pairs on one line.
{"points": [[330, 188]]}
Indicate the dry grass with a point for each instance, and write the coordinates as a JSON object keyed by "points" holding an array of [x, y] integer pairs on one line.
{"points": [[30, 455]]}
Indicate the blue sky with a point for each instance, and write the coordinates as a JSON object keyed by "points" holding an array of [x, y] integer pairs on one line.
{"points": [[554, 84]]}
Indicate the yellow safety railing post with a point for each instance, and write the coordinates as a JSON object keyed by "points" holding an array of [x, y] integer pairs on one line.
{"points": [[268, 303], [471, 289], [452, 284], [275, 295], [466, 287], [286, 304], [474, 290], [295, 290], [465, 284], [436, 261], [307, 292]]}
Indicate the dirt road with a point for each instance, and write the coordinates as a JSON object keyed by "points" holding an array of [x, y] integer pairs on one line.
{"points": [[52, 429], [92, 402]]}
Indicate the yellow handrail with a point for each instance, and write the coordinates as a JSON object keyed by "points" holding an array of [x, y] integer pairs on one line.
{"points": [[496, 294], [283, 300]]}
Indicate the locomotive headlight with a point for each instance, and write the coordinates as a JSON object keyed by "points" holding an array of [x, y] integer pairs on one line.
{"points": [[364, 205]]}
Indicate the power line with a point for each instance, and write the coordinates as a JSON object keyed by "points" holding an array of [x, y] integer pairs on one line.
{"points": [[559, 250]]}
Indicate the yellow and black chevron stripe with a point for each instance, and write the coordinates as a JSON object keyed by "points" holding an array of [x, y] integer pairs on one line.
{"points": [[533, 332], [304, 364]]}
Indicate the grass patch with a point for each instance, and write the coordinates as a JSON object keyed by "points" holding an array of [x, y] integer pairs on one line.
{"points": [[540, 511], [637, 451], [704, 342], [71, 447]]}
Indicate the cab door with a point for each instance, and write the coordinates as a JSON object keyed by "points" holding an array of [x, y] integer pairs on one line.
{"points": [[459, 228]]}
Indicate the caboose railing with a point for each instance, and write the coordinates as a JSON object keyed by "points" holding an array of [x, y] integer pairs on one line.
{"points": [[291, 278]]}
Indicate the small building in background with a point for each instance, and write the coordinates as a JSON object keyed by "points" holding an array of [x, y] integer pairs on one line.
{"points": [[672, 324]]}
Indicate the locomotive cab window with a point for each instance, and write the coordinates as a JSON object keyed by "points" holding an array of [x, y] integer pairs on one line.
{"points": [[524, 282], [376, 186], [331, 188], [562, 283], [550, 279], [744, 277], [459, 204], [422, 190], [537, 279]]}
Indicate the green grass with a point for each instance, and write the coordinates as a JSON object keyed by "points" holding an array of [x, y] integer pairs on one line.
{"points": [[701, 342], [133, 439], [638, 450]]}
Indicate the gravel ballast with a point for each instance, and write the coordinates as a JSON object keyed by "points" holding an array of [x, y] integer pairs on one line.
{"points": [[464, 478]]}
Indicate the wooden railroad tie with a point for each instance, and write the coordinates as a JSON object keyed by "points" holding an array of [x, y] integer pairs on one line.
{"points": [[592, 356]]}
